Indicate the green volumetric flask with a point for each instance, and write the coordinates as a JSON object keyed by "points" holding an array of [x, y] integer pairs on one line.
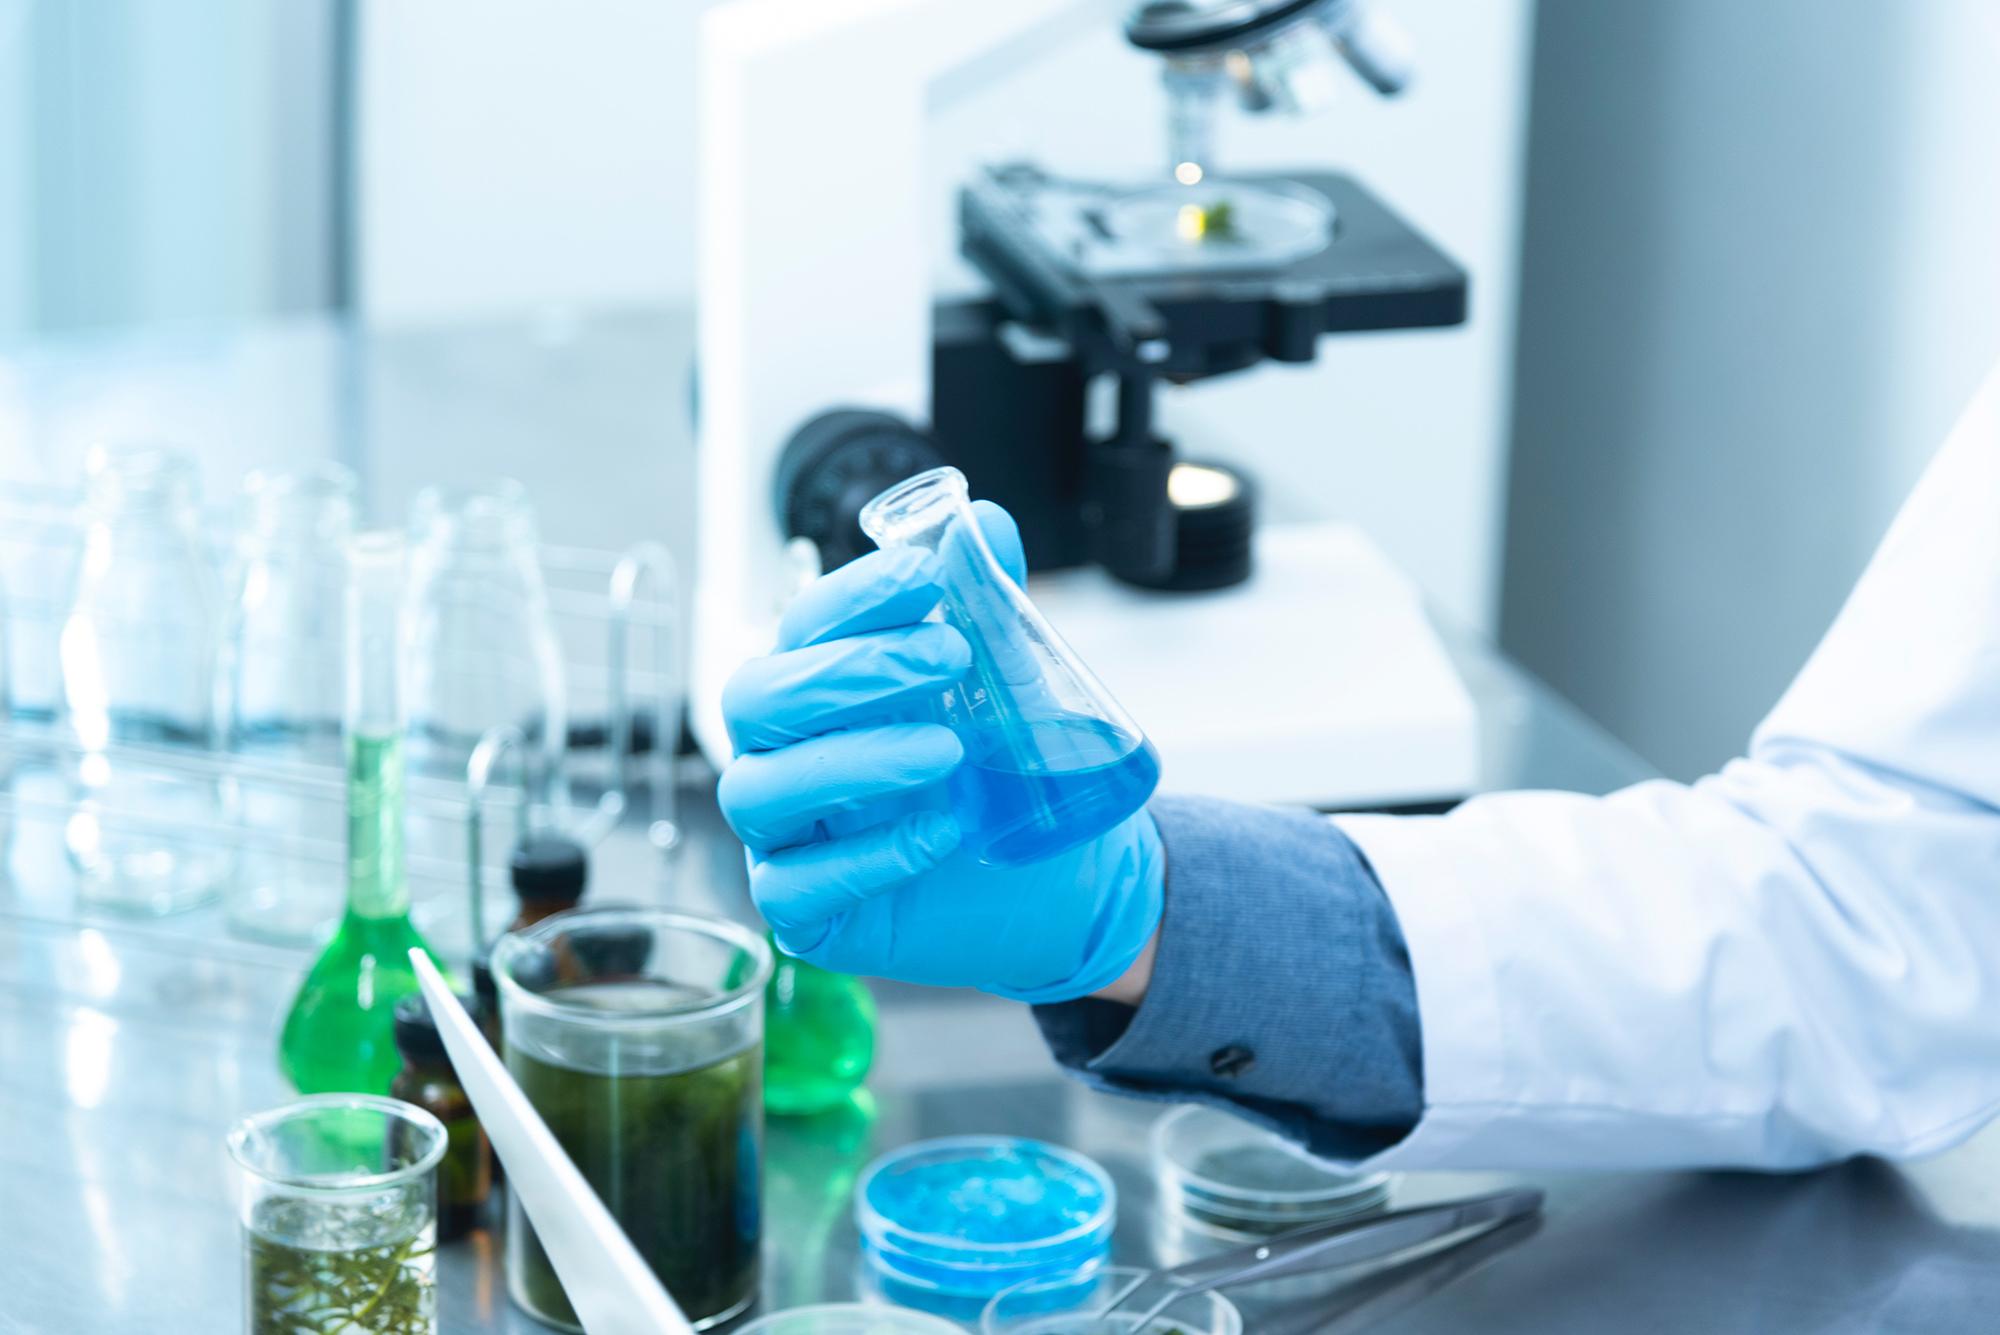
{"points": [[819, 1037], [341, 1033]]}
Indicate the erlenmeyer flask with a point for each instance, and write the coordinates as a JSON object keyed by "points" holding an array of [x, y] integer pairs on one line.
{"points": [[1051, 761]]}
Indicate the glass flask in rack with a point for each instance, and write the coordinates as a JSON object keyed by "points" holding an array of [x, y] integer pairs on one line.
{"points": [[483, 648], [1051, 760], [340, 1034], [137, 657], [282, 682]]}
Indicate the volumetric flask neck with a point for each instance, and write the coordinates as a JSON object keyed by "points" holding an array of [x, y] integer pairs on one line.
{"points": [[1051, 760], [310, 509], [134, 480], [494, 521]]}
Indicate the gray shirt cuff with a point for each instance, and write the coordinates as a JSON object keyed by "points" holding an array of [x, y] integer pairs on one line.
{"points": [[1281, 987]]}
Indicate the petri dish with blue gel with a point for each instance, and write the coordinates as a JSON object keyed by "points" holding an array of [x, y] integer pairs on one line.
{"points": [[947, 1224]]}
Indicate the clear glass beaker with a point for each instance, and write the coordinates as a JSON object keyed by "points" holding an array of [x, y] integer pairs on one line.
{"points": [[282, 684], [138, 650], [637, 1034], [339, 1212], [483, 647], [1051, 760]]}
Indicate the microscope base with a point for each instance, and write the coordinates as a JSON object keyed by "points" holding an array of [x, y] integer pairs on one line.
{"points": [[1319, 682]]}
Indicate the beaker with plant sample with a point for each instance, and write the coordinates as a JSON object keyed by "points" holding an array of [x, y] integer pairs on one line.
{"points": [[339, 1212]]}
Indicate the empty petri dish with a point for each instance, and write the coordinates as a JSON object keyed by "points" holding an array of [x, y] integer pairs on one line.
{"points": [[1060, 1307], [947, 1224], [1240, 1181], [850, 1319]]}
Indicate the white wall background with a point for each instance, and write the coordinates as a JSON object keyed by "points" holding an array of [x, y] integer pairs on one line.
{"points": [[515, 153], [163, 164], [14, 161], [1761, 275]]}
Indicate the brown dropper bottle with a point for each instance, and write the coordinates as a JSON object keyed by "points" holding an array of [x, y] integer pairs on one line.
{"points": [[465, 1174]]}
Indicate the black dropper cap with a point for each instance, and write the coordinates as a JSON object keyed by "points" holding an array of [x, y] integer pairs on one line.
{"points": [[549, 869], [417, 1036]]}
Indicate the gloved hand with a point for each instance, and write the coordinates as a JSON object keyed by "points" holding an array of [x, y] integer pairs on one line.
{"points": [[854, 855]]}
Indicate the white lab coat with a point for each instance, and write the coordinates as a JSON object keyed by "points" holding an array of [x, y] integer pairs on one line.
{"points": [[1795, 960]]}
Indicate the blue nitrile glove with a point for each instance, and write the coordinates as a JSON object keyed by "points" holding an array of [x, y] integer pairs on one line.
{"points": [[854, 856]]}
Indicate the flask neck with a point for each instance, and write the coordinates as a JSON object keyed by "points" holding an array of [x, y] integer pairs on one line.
{"points": [[479, 526], [535, 911], [311, 510], [923, 512], [376, 885], [375, 578], [141, 482]]}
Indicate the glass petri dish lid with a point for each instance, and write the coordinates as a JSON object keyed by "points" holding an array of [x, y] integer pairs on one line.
{"points": [[1228, 1175], [850, 1319], [1059, 1307], [946, 1224]]}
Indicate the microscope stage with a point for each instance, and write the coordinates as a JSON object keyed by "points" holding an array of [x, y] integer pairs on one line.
{"points": [[1300, 255]]}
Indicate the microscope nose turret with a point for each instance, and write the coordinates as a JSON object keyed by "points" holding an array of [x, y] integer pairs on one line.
{"points": [[1278, 55]]}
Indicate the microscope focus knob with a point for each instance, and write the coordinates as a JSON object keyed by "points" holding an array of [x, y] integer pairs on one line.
{"points": [[835, 464]]}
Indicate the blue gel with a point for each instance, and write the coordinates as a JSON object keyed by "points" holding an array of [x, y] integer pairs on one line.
{"points": [[946, 1224]]}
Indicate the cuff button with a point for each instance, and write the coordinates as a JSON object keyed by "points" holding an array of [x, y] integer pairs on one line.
{"points": [[1231, 1061]]}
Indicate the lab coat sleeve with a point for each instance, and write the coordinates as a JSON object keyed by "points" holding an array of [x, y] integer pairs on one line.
{"points": [[1795, 960], [1280, 987]]}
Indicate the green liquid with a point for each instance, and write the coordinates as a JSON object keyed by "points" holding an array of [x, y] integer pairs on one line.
{"points": [[318, 1269], [673, 1156], [340, 1034], [819, 1037]]}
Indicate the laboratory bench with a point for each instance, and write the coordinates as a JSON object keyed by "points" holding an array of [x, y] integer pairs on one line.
{"points": [[128, 1047]]}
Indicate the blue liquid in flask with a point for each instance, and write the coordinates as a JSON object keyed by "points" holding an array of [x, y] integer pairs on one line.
{"points": [[1051, 761], [1030, 791]]}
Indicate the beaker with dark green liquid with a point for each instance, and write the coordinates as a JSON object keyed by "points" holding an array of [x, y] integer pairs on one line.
{"points": [[638, 1036]]}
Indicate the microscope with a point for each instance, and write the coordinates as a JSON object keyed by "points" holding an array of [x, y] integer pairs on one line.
{"points": [[1237, 649]]}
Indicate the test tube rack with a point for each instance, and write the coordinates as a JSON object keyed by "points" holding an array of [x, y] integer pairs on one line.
{"points": [[617, 618]]}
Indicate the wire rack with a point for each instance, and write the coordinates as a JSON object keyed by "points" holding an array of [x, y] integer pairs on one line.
{"points": [[617, 619]]}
